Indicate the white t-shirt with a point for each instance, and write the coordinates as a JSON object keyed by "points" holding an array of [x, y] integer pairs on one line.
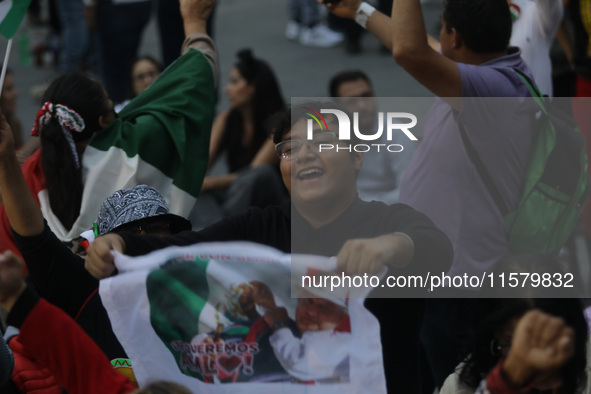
{"points": [[534, 32]]}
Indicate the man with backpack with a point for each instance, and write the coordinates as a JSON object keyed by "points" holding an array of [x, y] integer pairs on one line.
{"points": [[475, 63]]}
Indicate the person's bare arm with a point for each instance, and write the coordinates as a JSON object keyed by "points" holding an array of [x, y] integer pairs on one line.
{"points": [[215, 182], [21, 208], [378, 23], [412, 52], [195, 14], [266, 155], [217, 132]]}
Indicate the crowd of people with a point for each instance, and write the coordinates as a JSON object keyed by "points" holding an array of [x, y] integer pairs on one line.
{"points": [[162, 169]]}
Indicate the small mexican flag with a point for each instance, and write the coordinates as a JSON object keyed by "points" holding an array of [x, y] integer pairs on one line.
{"points": [[12, 13]]}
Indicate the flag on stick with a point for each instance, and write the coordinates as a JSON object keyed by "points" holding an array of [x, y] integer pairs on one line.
{"points": [[12, 13]]}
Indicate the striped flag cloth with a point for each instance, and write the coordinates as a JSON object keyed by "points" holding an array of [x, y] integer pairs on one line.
{"points": [[161, 139], [199, 316], [12, 13]]}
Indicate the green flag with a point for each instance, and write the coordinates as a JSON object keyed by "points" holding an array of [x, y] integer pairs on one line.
{"points": [[161, 139], [12, 13]]}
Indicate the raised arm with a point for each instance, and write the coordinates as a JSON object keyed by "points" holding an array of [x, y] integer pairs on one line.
{"points": [[195, 15], [377, 24], [21, 208], [405, 34], [54, 270], [412, 52], [161, 138]]}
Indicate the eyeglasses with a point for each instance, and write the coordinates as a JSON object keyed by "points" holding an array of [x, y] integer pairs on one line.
{"points": [[290, 148]]}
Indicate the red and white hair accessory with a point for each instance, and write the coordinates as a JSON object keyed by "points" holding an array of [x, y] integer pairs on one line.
{"points": [[68, 119]]}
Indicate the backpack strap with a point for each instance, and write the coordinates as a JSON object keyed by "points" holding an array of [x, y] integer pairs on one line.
{"points": [[483, 172], [475, 158], [534, 90]]}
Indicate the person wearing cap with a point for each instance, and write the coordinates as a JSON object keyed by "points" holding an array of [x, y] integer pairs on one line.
{"points": [[58, 274]]}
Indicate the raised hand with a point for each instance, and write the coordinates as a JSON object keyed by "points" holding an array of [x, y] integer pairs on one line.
{"points": [[196, 9], [541, 345], [343, 8]]}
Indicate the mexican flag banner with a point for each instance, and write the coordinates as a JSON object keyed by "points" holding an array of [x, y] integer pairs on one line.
{"points": [[219, 318], [12, 13], [161, 139]]}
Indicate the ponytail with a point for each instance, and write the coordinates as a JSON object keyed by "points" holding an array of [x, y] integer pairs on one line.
{"points": [[64, 137]]}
